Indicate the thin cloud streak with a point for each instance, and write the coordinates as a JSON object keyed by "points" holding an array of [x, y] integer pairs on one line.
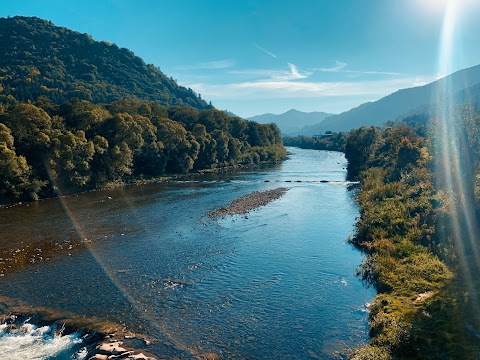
{"points": [[265, 51], [340, 67], [292, 74], [220, 64]]}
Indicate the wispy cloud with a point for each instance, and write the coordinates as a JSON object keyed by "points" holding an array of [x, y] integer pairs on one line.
{"points": [[271, 88], [265, 51], [295, 74], [293, 82], [220, 64], [341, 66]]}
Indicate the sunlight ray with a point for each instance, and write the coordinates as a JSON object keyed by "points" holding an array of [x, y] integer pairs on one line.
{"points": [[162, 328], [454, 168]]}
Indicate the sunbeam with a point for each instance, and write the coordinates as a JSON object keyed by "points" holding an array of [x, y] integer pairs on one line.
{"points": [[454, 168]]}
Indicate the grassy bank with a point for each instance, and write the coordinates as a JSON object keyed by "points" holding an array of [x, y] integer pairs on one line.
{"points": [[423, 309]]}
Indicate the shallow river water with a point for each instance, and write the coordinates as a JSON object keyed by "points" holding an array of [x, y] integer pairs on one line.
{"points": [[277, 283]]}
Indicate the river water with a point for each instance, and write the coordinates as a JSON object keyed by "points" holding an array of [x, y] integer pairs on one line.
{"points": [[276, 283]]}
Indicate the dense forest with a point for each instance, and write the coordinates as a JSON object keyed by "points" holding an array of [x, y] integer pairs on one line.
{"points": [[48, 149], [39, 58], [330, 141], [78, 114], [420, 236]]}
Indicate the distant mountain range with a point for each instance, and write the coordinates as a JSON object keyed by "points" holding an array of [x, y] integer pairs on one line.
{"points": [[292, 121], [463, 86], [39, 58]]}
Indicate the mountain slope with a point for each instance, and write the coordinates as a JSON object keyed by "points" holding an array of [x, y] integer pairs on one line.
{"points": [[462, 85], [291, 121], [39, 58]]}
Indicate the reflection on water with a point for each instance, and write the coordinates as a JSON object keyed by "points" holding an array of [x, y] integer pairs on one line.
{"points": [[276, 283]]}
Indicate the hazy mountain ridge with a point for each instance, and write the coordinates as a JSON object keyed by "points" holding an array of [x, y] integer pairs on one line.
{"points": [[291, 121], [463, 86], [39, 58]]}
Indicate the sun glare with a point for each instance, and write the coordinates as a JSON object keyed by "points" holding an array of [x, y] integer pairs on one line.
{"points": [[433, 5], [439, 7]]}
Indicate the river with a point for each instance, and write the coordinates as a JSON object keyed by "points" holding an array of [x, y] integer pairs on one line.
{"points": [[276, 283]]}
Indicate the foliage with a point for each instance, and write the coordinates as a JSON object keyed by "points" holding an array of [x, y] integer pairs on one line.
{"points": [[15, 174], [46, 149], [41, 59], [419, 312], [64, 128], [359, 148]]}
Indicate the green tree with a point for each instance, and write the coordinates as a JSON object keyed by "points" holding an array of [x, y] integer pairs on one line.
{"points": [[30, 126], [359, 148], [15, 182], [207, 154], [178, 150], [70, 159]]}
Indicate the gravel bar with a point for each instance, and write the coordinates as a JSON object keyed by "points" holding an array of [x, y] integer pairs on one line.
{"points": [[248, 202]]}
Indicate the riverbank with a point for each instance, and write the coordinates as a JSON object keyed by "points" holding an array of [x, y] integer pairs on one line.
{"points": [[249, 202], [420, 309], [144, 181]]}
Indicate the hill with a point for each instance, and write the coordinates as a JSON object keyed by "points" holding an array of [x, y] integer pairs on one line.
{"points": [[39, 58], [78, 114], [462, 85], [291, 121]]}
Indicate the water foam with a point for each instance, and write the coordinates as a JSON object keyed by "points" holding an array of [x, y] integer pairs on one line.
{"points": [[30, 342]]}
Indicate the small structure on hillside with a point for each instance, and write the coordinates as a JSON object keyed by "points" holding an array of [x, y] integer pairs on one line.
{"points": [[323, 136]]}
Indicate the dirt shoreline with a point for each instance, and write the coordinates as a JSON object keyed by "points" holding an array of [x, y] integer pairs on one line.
{"points": [[249, 202]]}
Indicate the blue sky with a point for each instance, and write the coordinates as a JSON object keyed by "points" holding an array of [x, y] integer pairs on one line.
{"points": [[254, 57]]}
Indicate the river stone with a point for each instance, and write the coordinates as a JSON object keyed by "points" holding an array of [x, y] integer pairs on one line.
{"points": [[140, 357], [112, 348], [210, 356], [99, 357]]}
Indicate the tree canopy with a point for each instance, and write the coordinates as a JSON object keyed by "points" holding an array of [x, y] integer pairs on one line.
{"points": [[41, 59], [48, 149]]}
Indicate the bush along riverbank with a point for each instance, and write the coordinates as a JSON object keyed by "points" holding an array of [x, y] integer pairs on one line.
{"points": [[425, 308], [48, 149]]}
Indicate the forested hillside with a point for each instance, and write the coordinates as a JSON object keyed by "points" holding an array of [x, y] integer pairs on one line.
{"points": [[78, 114], [39, 58], [48, 149]]}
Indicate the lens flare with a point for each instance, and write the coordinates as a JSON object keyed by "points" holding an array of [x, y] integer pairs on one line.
{"points": [[128, 294], [454, 166]]}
